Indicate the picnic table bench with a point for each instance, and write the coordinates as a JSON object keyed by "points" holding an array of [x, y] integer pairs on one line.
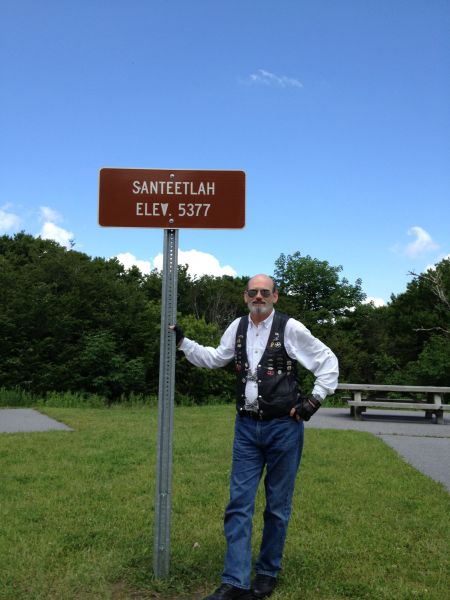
{"points": [[427, 398]]}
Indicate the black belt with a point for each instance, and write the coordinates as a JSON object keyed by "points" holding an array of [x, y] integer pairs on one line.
{"points": [[256, 416]]}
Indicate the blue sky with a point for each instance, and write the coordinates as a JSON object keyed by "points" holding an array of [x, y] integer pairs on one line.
{"points": [[337, 111]]}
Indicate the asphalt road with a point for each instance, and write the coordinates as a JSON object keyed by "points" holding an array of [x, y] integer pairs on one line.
{"points": [[424, 445], [23, 420]]}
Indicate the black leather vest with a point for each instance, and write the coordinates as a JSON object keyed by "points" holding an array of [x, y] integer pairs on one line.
{"points": [[276, 373]]}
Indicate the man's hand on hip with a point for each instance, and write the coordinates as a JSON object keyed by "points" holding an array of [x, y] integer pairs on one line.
{"points": [[305, 409]]}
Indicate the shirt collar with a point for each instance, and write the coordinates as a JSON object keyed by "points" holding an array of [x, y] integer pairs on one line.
{"points": [[267, 323]]}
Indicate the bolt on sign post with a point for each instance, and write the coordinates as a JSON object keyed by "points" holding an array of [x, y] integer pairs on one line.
{"points": [[171, 200]]}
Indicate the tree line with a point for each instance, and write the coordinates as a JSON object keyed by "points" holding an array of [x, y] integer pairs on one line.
{"points": [[73, 323]]}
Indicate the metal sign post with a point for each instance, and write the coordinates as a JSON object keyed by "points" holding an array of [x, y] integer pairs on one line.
{"points": [[163, 496], [173, 200]]}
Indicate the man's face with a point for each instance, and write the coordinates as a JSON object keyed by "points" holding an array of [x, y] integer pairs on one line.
{"points": [[259, 296]]}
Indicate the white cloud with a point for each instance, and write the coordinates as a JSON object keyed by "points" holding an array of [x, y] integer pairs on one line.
{"points": [[128, 260], [375, 301], [8, 220], [199, 263], [423, 242], [50, 231], [48, 214], [266, 78]]}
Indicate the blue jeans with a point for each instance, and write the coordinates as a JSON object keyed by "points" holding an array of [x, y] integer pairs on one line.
{"points": [[276, 445]]}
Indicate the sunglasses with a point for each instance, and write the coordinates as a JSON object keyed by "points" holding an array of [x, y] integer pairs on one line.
{"points": [[253, 293]]}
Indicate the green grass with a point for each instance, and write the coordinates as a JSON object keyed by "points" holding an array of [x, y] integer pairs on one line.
{"points": [[76, 513]]}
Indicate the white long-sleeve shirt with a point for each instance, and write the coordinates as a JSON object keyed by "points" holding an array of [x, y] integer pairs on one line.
{"points": [[299, 342]]}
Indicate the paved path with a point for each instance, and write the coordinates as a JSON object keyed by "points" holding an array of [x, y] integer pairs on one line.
{"points": [[17, 420], [424, 445]]}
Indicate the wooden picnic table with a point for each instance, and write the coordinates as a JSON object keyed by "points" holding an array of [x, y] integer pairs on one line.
{"points": [[368, 395]]}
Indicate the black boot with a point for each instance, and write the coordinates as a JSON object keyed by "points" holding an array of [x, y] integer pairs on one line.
{"points": [[229, 592], [263, 586]]}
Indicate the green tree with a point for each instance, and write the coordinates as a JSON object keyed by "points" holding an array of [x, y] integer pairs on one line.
{"points": [[312, 291], [218, 300], [359, 341], [406, 341], [199, 384], [52, 300], [432, 364], [104, 370], [419, 327]]}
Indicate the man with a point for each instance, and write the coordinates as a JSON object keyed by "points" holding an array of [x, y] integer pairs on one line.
{"points": [[266, 346]]}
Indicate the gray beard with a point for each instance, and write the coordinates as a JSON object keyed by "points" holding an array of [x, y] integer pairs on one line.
{"points": [[259, 309]]}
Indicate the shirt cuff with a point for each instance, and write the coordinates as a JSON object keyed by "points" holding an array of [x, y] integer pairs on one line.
{"points": [[319, 392], [185, 344]]}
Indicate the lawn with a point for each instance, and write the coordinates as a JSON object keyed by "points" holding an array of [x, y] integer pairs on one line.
{"points": [[77, 513]]}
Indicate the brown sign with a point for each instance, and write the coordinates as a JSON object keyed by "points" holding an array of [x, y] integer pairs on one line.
{"points": [[172, 199]]}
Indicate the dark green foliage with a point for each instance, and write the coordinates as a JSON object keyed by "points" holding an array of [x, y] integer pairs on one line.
{"points": [[218, 300], [203, 385], [433, 363], [407, 341], [72, 323], [312, 291], [69, 322]]}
